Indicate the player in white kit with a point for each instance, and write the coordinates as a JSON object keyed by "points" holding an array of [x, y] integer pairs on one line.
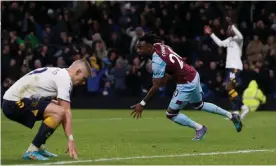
{"points": [[44, 94], [234, 66]]}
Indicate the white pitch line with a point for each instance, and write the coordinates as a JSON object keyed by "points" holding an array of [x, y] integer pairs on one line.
{"points": [[98, 119], [107, 119], [163, 156]]}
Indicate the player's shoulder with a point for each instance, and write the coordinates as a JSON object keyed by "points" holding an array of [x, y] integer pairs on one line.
{"points": [[63, 79], [157, 60], [61, 73], [162, 49], [160, 46]]}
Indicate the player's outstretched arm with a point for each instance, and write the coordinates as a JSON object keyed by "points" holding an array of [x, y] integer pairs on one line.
{"points": [[158, 71], [138, 108], [67, 126], [220, 43], [238, 34]]}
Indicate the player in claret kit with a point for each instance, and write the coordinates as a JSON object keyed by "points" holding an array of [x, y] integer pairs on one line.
{"points": [[30, 100], [188, 90]]}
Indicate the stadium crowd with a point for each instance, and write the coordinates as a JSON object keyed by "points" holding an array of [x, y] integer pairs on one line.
{"points": [[38, 34]]}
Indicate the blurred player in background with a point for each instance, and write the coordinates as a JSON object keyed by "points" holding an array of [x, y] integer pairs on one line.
{"points": [[30, 99], [188, 89], [234, 66], [252, 97]]}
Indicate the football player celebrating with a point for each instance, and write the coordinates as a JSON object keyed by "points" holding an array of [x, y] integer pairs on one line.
{"points": [[234, 44], [188, 89]]}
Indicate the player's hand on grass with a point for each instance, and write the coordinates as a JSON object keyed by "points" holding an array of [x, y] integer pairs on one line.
{"points": [[137, 112], [72, 149], [207, 30]]}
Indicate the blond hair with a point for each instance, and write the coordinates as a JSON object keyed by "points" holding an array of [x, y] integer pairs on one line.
{"points": [[82, 64]]}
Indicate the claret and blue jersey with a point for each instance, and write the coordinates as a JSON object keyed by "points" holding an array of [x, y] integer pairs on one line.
{"points": [[188, 90]]}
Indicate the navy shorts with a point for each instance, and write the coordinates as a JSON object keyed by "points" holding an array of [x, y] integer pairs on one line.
{"points": [[26, 111], [233, 76]]}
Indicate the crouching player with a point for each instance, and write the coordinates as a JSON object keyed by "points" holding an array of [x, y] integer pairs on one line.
{"points": [[29, 100], [188, 89]]}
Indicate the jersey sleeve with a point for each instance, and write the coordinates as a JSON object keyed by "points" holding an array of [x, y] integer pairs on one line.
{"points": [[238, 36], [64, 88], [158, 67], [223, 43]]}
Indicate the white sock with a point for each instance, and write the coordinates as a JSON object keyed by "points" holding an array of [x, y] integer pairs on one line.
{"points": [[198, 126], [229, 115], [245, 111], [236, 112], [32, 148], [42, 147]]}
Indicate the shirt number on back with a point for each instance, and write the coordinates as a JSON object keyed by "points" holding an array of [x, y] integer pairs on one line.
{"points": [[174, 56], [178, 58]]}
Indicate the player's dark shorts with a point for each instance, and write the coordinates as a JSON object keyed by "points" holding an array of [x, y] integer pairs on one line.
{"points": [[233, 76], [26, 111]]}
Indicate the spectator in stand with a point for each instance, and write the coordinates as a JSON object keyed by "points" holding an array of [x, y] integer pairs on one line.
{"points": [[94, 81], [254, 50], [134, 78], [134, 35], [119, 72], [36, 34]]}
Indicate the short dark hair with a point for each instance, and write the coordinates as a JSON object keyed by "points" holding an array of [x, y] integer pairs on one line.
{"points": [[150, 38]]}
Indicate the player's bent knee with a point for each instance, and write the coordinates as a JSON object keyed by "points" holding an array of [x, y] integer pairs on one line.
{"points": [[198, 106], [170, 113], [53, 118], [54, 110]]}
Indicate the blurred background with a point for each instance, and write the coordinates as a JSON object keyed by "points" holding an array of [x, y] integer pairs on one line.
{"points": [[37, 34]]}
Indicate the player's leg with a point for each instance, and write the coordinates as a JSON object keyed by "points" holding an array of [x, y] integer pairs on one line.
{"points": [[231, 87], [42, 148], [178, 101], [245, 110], [248, 106], [19, 111], [22, 112], [52, 115], [197, 103]]}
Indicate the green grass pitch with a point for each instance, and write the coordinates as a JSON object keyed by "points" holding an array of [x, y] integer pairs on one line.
{"points": [[113, 137]]}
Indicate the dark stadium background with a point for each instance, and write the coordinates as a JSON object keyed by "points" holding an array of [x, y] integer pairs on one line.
{"points": [[37, 34]]}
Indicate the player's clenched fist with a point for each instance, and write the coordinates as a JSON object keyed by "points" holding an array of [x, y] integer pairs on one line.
{"points": [[207, 30], [72, 149]]}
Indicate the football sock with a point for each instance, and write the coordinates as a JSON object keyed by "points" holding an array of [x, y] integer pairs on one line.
{"points": [[236, 99], [32, 148], [184, 121], [44, 132], [245, 110], [212, 108], [42, 147]]}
